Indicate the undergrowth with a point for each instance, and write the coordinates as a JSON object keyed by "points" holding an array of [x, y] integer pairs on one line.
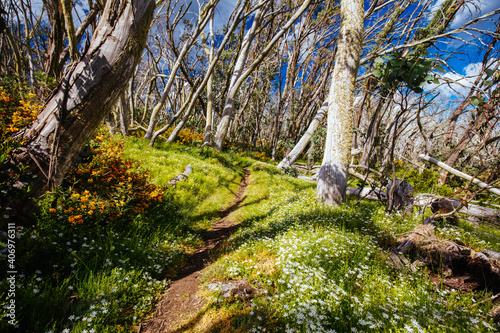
{"points": [[324, 269], [106, 243]]}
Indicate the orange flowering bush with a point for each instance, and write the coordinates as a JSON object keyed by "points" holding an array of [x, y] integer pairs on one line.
{"points": [[106, 187], [18, 108], [16, 113], [186, 136]]}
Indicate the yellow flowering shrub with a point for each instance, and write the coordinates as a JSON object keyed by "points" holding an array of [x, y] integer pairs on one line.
{"points": [[105, 188], [18, 108], [16, 113], [186, 136]]}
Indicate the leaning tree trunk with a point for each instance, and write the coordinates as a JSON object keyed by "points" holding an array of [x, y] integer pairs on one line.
{"points": [[223, 126], [237, 72], [304, 140], [332, 178], [87, 92]]}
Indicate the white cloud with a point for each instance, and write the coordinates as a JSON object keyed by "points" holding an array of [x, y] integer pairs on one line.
{"points": [[457, 86]]}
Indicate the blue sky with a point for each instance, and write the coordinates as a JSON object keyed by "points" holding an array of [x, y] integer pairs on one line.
{"points": [[465, 66], [462, 67]]}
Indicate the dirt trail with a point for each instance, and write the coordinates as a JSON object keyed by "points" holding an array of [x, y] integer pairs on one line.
{"points": [[180, 301]]}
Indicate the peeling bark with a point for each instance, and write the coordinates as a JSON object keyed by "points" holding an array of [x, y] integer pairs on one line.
{"points": [[87, 92]]}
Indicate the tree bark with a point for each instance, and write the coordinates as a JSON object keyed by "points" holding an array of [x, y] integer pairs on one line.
{"points": [[332, 178], [173, 182], [301, 145], [237, 72], [207, 135], [202, 22], [123, 110], [56, 38], [228, 108], [87, 93]]}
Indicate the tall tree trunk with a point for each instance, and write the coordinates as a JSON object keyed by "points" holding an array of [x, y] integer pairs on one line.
{"points": [[237, 72], [87, 92], [207, 135], [123, 110], [202, 22], [332, 178], [67, 7], [373, 128], [56, 38]]}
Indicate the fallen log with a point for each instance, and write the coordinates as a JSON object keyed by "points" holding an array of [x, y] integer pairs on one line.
{"points": [[173, 182], [425, 200], [367, 192], [489, 214], [457, 262], [460, 174], [416, 236]]}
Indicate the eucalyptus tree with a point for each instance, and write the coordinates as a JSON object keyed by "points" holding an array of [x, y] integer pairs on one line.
{"points": [[309, 57], [209, 48], [238, 16], [203, 19], [240, 75], [413, 32], [21, 39], [332, 178], [238, 68], [486, 100], [89, 88], [384, 24]]}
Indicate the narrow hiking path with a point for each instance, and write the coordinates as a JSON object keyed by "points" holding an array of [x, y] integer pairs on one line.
{"points": [[181, 301]]}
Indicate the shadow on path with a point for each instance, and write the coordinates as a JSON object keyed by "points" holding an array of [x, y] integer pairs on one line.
{"points": [[181, 301]]}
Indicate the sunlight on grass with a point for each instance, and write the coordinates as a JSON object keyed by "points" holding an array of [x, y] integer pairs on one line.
{"points": [[210, 187], [105, 271], [322, 269], [317, 269]]}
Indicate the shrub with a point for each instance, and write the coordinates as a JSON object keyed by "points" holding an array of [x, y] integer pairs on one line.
{"points": [[104, 188]]}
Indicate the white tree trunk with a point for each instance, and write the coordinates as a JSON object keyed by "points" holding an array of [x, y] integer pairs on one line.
{"points": [[304, 140], [460, 174], [207, 135], [224, 125], [202, 22], [237, 72], [332, 178]]}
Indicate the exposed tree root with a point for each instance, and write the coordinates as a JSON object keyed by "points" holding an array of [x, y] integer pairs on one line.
{"points": [[460, 266]]}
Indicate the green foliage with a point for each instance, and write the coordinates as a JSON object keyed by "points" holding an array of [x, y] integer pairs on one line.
{"points": [[105, 272], [411, 69], [425, 181]]}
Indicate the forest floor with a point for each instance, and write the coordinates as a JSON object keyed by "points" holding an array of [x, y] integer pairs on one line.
{"points": [[181, 301], [236, 247]]}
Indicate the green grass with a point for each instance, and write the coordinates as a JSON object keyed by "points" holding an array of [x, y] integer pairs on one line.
{"points": [[323, 269], [212, 185], [319, 269], [108, 277]]}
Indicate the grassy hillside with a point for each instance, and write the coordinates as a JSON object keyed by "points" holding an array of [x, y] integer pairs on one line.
{"points": [[324, 270]]}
